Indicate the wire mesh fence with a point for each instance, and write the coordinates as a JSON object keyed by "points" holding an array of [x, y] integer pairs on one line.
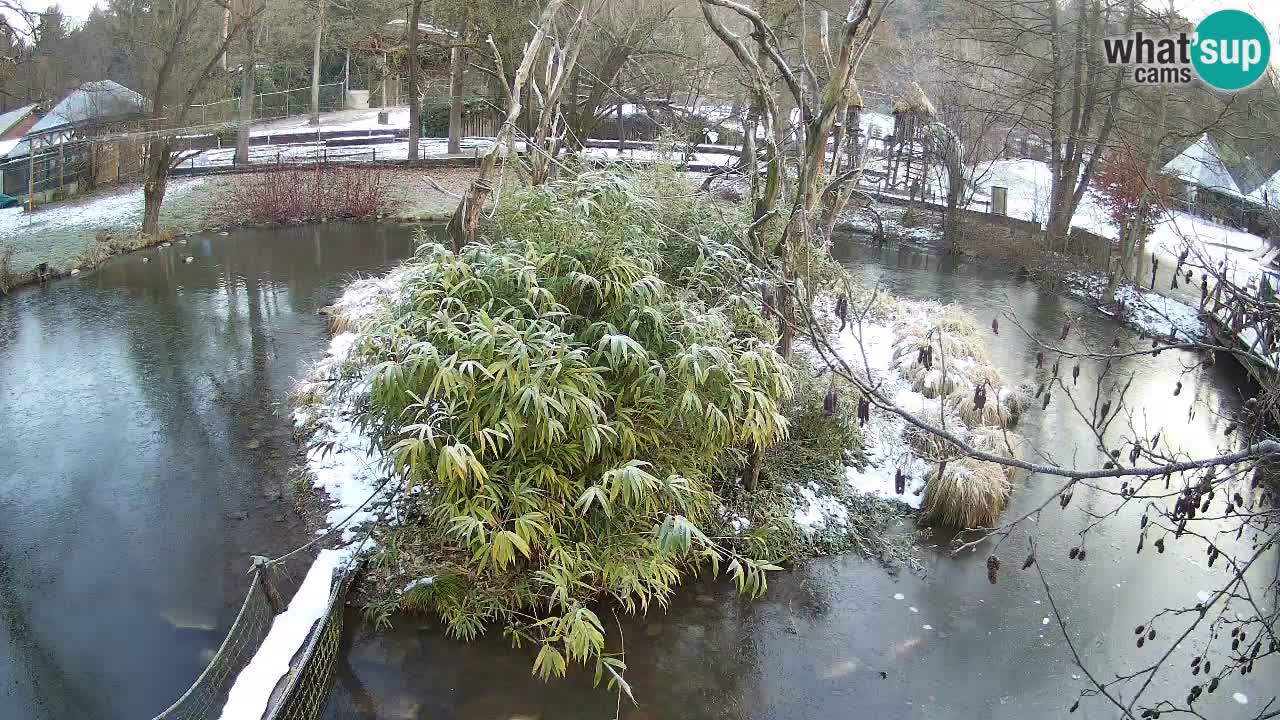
{"points": [[308, 689], [206, 696], [60, 170], [270, 106], [303, 692]]}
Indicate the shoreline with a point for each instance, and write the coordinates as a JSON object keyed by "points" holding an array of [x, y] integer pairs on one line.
{"points": [[68, 243], [1146, 310]]}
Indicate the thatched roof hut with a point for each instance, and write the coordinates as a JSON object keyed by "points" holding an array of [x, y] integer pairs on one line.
{"points": [[914, 102]]}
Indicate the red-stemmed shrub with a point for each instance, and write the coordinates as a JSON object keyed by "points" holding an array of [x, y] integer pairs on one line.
{"points": [[286, 194]]}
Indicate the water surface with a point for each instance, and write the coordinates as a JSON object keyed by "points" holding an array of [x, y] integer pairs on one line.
{"points": [[145, 453]]}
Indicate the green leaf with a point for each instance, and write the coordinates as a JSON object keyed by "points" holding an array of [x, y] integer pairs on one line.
{"points": [[549, 663]]}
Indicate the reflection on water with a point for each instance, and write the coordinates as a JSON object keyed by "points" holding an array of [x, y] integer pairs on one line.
{"points": [[143, 458], [829, 640]]}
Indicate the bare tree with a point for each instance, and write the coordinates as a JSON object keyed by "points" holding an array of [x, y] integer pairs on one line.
{"points": [[549, 133], [177, 44], [1043, 59], [817, 119], [248, 87], [17, 24], [415, 94], [620, 33], [464, 222], [457, 76]]}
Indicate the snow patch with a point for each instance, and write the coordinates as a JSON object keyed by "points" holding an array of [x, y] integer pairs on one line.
{"points": [[1147, 310], [113, 209], [347, 464], [420, 582], [884, 436], [814, 512], [253, 687]]}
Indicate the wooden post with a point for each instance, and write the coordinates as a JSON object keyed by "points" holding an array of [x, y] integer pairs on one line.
{"points": [[622, 130], [346, 78], [31, 174], [62, 165], [273, 596]]}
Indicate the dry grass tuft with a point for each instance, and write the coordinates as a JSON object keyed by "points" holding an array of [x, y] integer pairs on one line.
{"points": [[969, 494], [995, 440], [339, 322]]}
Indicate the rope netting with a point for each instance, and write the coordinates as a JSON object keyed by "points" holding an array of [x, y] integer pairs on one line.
{"points": [[301, 694], [206, 696], [308, 684]]}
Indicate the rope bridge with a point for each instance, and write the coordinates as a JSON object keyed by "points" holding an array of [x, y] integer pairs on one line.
{"points": [[301, 694]]}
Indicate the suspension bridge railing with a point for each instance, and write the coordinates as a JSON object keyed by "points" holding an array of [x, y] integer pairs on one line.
{"points": [[302, 693]]}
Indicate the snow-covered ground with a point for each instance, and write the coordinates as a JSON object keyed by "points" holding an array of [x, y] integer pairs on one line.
{"points": [[318, 151], [925, 233], [339, 120], [346, 464], [59, 233], [1209, 244], [1243, 256], [1154, 314], [119, 208], [885, 434], [427, 148], [1028, 183]]}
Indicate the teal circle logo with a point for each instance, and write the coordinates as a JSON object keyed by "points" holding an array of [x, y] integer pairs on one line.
{"points": [[1231, 50]]}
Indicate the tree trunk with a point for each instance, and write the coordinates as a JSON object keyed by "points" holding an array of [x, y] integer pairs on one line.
{"points": [[156, 181], [464, 223], [415, 100], [1153, 170], [315, 66], [457, 70], [951, 215], [386, 81], [1120, 267], [226, 30], [751, 473], [248, 87]]}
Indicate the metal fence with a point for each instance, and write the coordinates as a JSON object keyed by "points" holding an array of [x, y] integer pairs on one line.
{"points": [[206, 696], [308, 688], [65, 169], [305, 688], [270, 106]]}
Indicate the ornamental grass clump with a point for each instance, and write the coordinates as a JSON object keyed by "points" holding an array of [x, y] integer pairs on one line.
{"points": [[941, 353], [561, 414]]}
